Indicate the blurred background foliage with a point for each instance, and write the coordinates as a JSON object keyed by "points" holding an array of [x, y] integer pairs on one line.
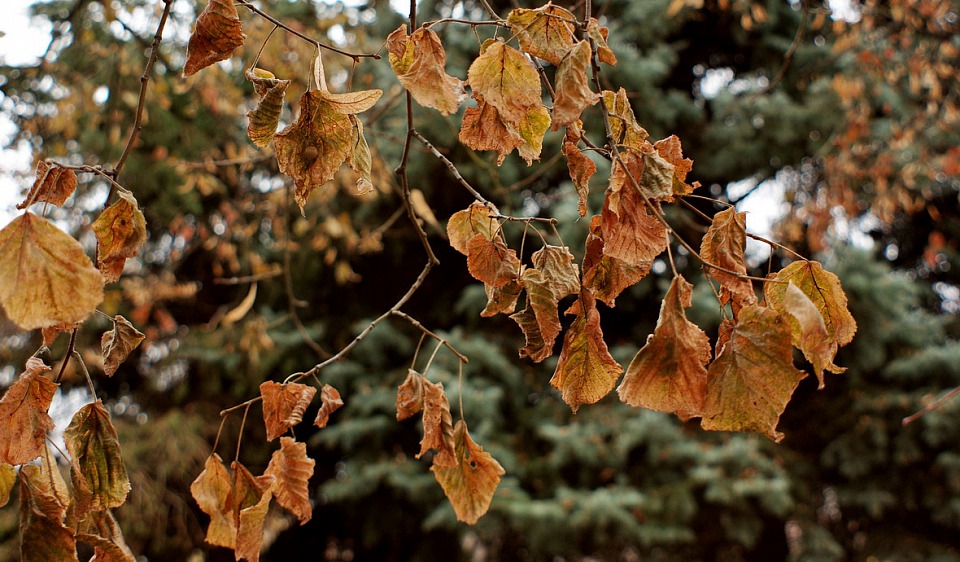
{"points": [[845, 121]]}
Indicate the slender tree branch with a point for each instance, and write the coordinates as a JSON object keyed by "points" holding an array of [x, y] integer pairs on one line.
{"points": [[248, 278], [426, 332], [931, 406], [450, 166], [788, 56], [292, 302]]}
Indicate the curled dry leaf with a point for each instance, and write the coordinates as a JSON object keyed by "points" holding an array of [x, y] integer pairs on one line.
{"points": [[418, 61], [623, 123], [45, 277], [753, 377], [723, 245], [212, 491], [292, 469], [542, 302], [536, 347], [475, 219], [121, 231], [251, 500], [631, 232], [470, 482], [599, 36], [573, 93], [54, 185], [586, 372], [330, 402], [410, 395], [823, 289], [50, 333], [217, 34], [501, 300], [99, 476], [483, 129], [581, 168], [605, 275], [24, 421], [266, 116], [43, 536], [548, 32], [671, 151], [360, 159], [118, 343], [437, 425], [506, 80], [560, 273], [283, 405], [669, 373], [101, 531], [350, 103], [491, 262], [809, 332]]}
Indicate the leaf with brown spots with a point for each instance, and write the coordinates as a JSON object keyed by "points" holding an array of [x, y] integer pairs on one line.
{"points": [[292, 469], [581, 168], [723, 245], [217, 34], [548, 32], [560, 272], [43, 536], [573, 93], [671, 151], [330, 402], [24, 421], [491, 262], [121, 231], [118, 343], [54, 184], [418, 61], [471, 480], [506, 80], [283, 405], [266, 116], [437, 425], [483, 129]]}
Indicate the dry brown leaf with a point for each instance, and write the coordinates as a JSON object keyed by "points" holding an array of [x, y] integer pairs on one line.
{"points": [[464, 225], [560, 272], [548, 32], [121, 231], [631, 232], [573, 93], [217, 34], [212, 491], [671, 151], [43, 536], [350, 103], [483, 129], [823, 288], [581, 168], [506, 80], [99, 476], [237, 313], [24, 421], [607, 276], [473, 478], [723, 245], [118, 343], [330, 402], [54, 184], [251, 498], [101, 531], [360, 158], [501, 300], [45, 277], [418, 61], [542, 300], [535, 347], [623, 123], [283, 405], [491, 262], [437, 425], [410, 395], [599, 36], [266, 116], [8, 477], [292, 469], [809, 332]]}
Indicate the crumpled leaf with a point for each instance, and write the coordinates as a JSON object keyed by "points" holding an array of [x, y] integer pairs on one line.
{"points": [[471, 480], [586, 372], [118, 343], [50, 333], [24, 421], [490, 261], [330, 402], [573, 93], [217, 34], [483, 129], [506, 80], [501, 300], [410, 395], [350, 103], [605, 275], [99, 476], [45, 277], [266, 116], [542, 301], [753, 377], [101, 531], [535, 347], [631, 232], [252, 500], [360, 159], [464, 225], [671, 151], [54, 184], [560, 272], [121, 231], [212, 491], [623, 123], [418, 61], [581, 167], [808, 331], [43, 536], [669, 373], [283, 405], [292, 469], [723, 245], [437, 425], [823, 289], [8, 477], [599, 36], [547, 32]]}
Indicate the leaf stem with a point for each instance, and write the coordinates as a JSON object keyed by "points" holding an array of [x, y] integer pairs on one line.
{"points": [[66, 356]]}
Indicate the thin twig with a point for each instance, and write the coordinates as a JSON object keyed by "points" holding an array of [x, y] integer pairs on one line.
{"points": [[86, 373], [467, 22], [248, 278], [427, 332], [931, 406], [450, 166], [66, 357], [788, 56], [292, 302]]}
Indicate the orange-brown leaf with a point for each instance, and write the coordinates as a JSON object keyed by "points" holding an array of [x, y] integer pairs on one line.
{"points": [[671, 151], [50, 333], [410, 395], [292, 469], [283, 405], [483, 129], [669, 373], [535, 348], [501, 300], [464, 225], [581, 169], [631, 232], [121, 231], [54, 185], [252, 497], [418, 61], [809, 332], [823, 288], [753, 377], [330, 402], [490, 261], [43, 536], [543, 302], [560, 273], [99, 476], [212, 491], [437, 425], [101, 531], [547, 32], [506, 80], [599, 36], [723, 245], [45, 277], [607, 276], [623, 123], [573, 93], [217, 34], [24, 421], [266, 116], [8, 477], [471, 480], [118, 343]]}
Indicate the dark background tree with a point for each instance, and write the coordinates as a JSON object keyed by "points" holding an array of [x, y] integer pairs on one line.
{"points": [[757, 90]]}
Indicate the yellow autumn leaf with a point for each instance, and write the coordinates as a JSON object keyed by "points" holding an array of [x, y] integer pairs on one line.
{"points": [[418, 61], [507, 80], [266, 116], [548, 32]]}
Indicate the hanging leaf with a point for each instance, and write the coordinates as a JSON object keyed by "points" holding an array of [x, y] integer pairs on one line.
{"points": [[312, 148], [753, 377], [418, 60], [631, 232], [542, 301], [98, 473], [535, 348], [118, 343], [475, 219], [501, 300], [607, 276], [266, 116], [359, 158], [483, 129], [217, 34], [252, 497], [121, 231], [580, 166], [623, 123], [283, 405], [586, 372], [723, 245], [350, 103], [823, 289], [50, 333], [8, 477], [671, 151], [573, 93], [507, 81], [471, 480], [330, 402], [547, 32], [437, 425], [410, 395], [24, 421], [292, 469], [491, 262], [54, 481], [723, 334], [669, 373], [43, 536], [599, 36], [101, 531], [560, 273], [45, 277], [212, 491], [808, 331], [532, 129], [54, 184]]}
